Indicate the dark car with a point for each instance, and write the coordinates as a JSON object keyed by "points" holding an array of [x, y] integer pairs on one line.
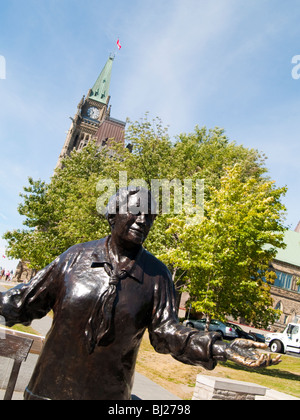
{"points": [[247, 335], [215, 325]]}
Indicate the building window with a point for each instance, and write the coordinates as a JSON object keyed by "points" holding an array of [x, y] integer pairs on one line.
{"points": [[296, 319], [279, 307], [283, 280]]}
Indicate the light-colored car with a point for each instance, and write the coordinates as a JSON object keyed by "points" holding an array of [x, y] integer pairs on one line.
{"points": [[215, 325]]}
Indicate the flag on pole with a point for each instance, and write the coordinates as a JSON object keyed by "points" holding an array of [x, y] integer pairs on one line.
{"points": [[119, 45]]}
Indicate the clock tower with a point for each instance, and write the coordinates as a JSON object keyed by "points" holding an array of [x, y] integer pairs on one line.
{"points": [[92, 121], [93, 111]]}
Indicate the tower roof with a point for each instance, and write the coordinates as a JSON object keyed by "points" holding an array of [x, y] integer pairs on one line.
{"points": [[100, 90]]}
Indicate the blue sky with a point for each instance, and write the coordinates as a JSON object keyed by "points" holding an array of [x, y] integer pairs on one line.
{"points": [[225, 63]]}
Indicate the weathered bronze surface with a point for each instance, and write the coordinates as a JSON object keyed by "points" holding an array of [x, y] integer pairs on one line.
{"points": [[104, 295]]}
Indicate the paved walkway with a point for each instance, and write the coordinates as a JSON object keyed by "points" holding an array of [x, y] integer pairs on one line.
{"points": [[143, 388]]}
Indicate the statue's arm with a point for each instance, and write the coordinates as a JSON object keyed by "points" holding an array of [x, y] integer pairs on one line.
{"points": [[168, 336], [194, 347], [33, 300]]}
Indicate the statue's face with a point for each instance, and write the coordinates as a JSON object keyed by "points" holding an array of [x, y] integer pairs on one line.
{"points": [[131, 228]]}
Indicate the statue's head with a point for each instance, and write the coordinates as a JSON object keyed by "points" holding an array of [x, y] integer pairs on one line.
{"points": [[131, 213]]}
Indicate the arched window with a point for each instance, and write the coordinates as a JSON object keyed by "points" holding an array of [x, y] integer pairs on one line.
{"points": [[279, 306]]}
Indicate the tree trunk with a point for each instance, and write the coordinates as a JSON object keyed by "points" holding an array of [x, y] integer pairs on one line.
{"points": [[208, 319]]}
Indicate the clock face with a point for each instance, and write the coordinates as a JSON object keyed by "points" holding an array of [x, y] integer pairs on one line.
{"points": [[93, 112]]}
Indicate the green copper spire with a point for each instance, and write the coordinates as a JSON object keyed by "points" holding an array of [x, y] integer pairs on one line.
{"points": [[100, 90]]}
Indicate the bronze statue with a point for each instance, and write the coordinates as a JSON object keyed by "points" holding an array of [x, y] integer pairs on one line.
{"points": [[104, 295]]}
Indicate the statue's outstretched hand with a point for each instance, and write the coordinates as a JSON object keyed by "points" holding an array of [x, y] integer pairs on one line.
{"points": [[246, 353]]}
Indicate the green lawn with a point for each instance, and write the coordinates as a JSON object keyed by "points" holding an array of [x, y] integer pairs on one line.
{"points": [[284, 377], [180, 379]]}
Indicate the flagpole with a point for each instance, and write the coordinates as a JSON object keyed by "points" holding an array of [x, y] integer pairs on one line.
{"points": [[117, 49]]}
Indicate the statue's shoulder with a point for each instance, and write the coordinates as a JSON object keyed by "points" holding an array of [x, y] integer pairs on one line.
{"points": [[156, 265], [86, 247]]}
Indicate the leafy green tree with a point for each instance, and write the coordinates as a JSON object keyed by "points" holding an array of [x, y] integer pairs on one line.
{"points": [[227, 253], [63, 212], [203, 154]]}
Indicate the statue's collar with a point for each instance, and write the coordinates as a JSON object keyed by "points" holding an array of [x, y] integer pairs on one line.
{"points": [[100, 256]]}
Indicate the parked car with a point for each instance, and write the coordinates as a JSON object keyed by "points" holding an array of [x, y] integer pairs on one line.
{"points": [[247, 335], [195, 323], [215, 325]]}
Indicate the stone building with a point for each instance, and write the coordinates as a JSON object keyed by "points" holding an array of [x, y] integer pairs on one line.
{"points": [[286, 289], [23, 273]]}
